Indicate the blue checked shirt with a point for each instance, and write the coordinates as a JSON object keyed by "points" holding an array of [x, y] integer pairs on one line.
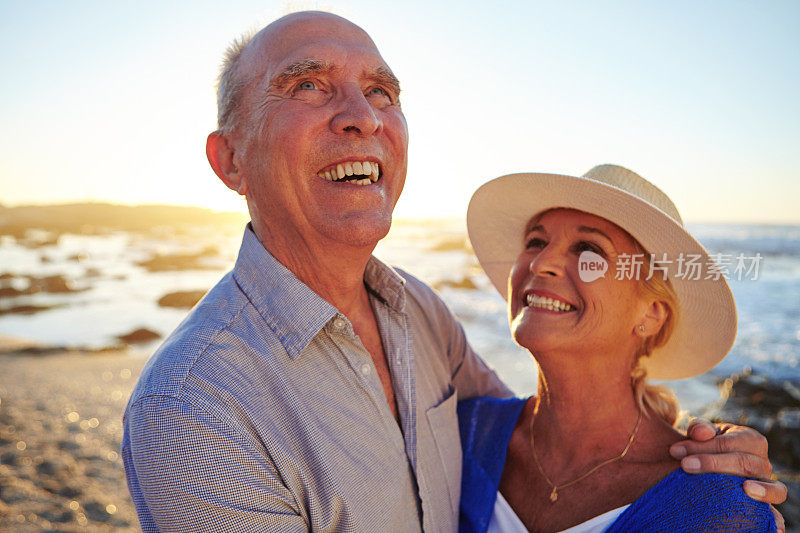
{"points": [[264, 412]]}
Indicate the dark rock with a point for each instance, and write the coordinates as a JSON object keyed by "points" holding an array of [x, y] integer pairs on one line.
{"points": [[11, 292], [139, 335], [52, 284], [771, 407], [181, 299], [26, 309], [450, 245], [761, 393], [172, 262], [465, 283], [41, 350]]}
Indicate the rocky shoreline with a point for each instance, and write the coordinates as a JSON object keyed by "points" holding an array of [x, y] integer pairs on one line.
{"points": [[771, 407]]}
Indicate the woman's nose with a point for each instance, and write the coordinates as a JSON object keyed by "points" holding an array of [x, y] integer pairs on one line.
{"points": [[550, 261]]}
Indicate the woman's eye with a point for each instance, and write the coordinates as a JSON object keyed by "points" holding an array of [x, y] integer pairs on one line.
{"points": [[590, 246], [535, 243], [307, 86]]}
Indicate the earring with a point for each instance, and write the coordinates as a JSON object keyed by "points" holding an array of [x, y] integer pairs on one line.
{"points": [[641, 328]]}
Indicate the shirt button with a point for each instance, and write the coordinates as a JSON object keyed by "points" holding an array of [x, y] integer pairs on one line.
{"points": [[338, 323], [399, 361], [365, 369]]}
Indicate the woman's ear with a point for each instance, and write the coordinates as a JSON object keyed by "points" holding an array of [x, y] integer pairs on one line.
{"points": [[653, 320], [220, 155]]}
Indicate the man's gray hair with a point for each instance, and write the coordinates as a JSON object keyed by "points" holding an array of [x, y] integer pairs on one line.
{"points": [[231, 84]]}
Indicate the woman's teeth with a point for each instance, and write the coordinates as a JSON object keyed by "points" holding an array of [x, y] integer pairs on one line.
{"points": [[356, 172], [543, 302]]}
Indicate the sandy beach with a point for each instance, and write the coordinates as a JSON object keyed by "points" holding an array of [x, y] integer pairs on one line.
{"points": [[60, 434], [61, 430]]}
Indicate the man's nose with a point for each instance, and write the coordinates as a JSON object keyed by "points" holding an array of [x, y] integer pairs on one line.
{"points": [[550, 261], [355, 114]]}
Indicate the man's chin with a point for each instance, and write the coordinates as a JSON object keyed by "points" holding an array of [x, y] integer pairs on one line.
{"points": [[360, 230]]}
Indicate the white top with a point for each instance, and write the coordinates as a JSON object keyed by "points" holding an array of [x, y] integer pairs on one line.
{"points": [[505, 520]]}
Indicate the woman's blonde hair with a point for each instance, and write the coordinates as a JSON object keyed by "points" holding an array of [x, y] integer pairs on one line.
{"points": [[656, 398]]}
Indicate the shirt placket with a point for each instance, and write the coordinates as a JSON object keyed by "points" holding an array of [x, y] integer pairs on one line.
{"points": [[365, 374]]}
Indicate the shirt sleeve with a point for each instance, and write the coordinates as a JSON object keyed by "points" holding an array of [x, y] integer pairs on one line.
{"points": [[470, 374], [187, 470]]}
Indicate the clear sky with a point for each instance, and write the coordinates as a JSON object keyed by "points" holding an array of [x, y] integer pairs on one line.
{"points": [[112, 101]]}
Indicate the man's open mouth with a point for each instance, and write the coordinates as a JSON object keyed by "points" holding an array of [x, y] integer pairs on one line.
{"points": [[356, 172]]}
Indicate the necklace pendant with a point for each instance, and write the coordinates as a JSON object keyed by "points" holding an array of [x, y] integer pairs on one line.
{"points": [[554, 495]]}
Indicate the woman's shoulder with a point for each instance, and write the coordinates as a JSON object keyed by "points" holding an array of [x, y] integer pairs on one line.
{"points": [[485, 418], [694, 502], [485, 425], [487, 405]]}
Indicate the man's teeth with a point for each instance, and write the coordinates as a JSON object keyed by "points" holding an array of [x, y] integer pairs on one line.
{"points": [[370, 170], [550, 304]]}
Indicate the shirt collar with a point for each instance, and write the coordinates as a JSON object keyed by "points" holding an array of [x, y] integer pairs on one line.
{"points": [[291, 309], [386, 284]]}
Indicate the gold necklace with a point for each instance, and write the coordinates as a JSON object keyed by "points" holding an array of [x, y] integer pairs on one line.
{"points": [[554, 493]]}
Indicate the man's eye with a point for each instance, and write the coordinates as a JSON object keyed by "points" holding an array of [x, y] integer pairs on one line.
{"points": [[535, 243], [378, 91], [307, 86]]}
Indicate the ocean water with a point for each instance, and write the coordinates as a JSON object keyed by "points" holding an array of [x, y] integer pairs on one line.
{"points": [[115, 294]]}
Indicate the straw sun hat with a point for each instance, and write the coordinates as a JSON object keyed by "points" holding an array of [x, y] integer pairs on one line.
{"points": [[706, 326]]}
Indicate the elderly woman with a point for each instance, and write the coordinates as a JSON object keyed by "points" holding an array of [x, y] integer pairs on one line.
{"points": [[595, 273]]}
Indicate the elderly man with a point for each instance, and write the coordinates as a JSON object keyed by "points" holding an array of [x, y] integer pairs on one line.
{"points": [[313, 388]]}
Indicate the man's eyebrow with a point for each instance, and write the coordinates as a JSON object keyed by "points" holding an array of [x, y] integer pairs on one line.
{"points": [[384, 76], [300, 69]]}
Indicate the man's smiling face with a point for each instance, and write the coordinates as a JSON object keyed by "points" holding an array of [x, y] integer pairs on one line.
{"points": [[322, 143]]}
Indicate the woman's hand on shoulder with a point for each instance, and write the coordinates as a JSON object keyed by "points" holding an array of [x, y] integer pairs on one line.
{"points": [[736, 450]]}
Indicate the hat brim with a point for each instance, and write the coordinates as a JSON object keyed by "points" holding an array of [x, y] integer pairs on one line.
{"points": [[706, 327]]}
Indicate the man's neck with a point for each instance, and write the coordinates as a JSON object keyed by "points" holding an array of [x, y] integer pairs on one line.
{"points": [[333, 270]]}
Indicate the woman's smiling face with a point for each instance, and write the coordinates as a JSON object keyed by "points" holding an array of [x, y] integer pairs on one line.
{"points": [[551, 308]]}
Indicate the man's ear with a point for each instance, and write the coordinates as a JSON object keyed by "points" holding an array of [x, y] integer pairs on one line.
{"points": [[220, 157], [654, 317]]}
